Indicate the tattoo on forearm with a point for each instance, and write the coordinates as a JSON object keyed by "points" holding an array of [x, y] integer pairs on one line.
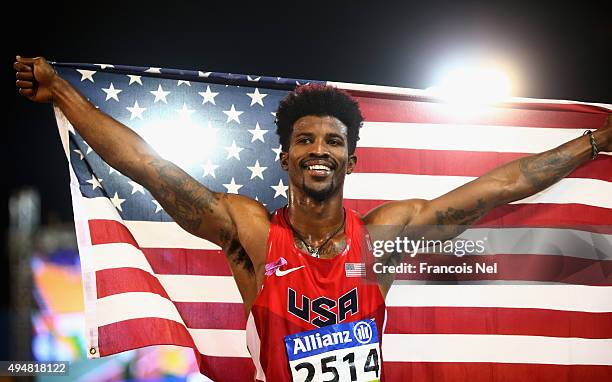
{"points": [[545, 169], [185, 199], [460, 217]]}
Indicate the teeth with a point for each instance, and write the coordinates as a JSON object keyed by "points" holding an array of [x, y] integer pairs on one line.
{"points": [[319, 167]]}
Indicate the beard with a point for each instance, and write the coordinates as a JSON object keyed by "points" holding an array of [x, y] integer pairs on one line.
{"points": [[320, 195]]}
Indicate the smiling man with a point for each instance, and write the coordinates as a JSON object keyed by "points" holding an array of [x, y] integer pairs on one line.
{"points": [[308, 318]]}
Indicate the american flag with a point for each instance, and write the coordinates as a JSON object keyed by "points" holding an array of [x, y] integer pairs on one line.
{"points": [[355, 269], [147, 282]]}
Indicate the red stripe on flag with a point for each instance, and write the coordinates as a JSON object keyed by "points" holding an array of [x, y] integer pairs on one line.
{"points": [[212, 315], [457, 163], [391, 109], [512, 267], [499, 372], [136, 333], [176, 261], [123, 280], [131, 334], [505, 321], [110, 231], [570, 215]]}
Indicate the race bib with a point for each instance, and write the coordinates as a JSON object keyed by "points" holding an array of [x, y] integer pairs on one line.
{"points": [[341, 352]]}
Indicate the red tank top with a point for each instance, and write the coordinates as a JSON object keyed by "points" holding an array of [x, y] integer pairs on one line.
{"points": [[302, 293]]}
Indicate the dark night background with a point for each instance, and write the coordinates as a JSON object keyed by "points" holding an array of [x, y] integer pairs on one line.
{"points": [[560, 50]]}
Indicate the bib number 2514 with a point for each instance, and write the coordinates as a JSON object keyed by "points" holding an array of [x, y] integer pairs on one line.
{"points": [[342, 352]]}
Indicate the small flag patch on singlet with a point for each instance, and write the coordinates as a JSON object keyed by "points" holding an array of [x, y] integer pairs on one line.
{"points": [[355, 269]]}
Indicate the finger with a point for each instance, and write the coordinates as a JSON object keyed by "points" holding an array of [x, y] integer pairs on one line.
{"points": [[26, 92], [20, 67], [28, 76], [24, 84]]}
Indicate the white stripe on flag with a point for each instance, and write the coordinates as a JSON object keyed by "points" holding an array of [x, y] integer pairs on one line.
{"points": [[190, 288], [522, 241], [127, 306], [221, 342], [495, 138], [496, 348], [558, 297], [592, 192], [118, 255]]}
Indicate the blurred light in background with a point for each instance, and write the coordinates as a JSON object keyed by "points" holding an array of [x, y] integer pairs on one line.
{"points": [[473, 82], [197, 140]]}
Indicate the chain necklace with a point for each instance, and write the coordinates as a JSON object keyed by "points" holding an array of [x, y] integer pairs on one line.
{"points": [[312, 250]]}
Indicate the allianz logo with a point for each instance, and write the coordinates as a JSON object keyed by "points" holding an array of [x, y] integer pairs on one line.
{"points": [[318, 341]]}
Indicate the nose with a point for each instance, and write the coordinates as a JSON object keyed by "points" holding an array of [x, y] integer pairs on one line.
{"points": [[320, 148]]}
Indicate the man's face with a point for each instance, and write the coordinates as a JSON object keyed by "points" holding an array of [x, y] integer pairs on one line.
{"points": [[318, 158]]}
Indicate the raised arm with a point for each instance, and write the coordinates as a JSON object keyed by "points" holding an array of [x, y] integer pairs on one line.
{"points": [[198, 210], [459, 208]]}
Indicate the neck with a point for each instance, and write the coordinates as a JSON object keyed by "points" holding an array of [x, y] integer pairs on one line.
{"points": [[313, 219]]}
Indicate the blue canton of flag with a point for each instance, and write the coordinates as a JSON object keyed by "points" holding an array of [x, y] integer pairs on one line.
{"points": [[218, 127]]}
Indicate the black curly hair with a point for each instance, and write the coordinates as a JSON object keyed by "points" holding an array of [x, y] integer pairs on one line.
{"points": [[319, 100]]}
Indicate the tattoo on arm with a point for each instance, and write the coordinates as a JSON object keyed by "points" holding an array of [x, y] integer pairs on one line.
{"points": [[186, 199], [545, 169], [235, 252], [460, 217]]}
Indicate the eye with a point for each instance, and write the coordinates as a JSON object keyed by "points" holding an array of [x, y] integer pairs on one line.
{"points": [[335, 142], [304, 140]]}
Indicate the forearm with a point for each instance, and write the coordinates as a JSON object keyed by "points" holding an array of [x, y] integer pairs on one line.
{"points": [[532, 174], [118, 145]]}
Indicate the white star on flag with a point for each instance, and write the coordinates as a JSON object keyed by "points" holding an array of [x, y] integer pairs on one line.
{"points": [[153, 70], [95, 182], [111, 170], [232, 187], [232, 114], [158, 206], [278, 151], [136, 187], [136, 111], [202, 74], [111, 92], [185, 112], [117, 201], [257, 170], [258, 133], [89, 149], [160, 94], [253, 79], [86, 74], [280, 190], [180, 82], [80, 153], [233, 151], [135, 79], [208, 95], [256, 97], [104, 66], [209, 169]]}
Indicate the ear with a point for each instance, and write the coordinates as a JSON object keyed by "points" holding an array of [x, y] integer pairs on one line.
{"points": [[284, 160], [352, 162]]}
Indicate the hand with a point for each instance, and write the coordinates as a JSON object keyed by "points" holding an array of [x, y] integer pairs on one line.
{"points": [[35, 78]]}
